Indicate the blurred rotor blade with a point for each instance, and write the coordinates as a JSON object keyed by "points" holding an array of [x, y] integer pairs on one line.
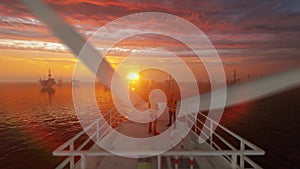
{"points": [[67, 34], [80, 46], [250, 91]]}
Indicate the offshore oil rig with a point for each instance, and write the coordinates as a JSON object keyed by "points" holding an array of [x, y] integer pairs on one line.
{"points": [[47, 84]]}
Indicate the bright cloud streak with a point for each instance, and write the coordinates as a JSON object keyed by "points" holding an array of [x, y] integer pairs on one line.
{"points": [[33, 45], [17, 20]]}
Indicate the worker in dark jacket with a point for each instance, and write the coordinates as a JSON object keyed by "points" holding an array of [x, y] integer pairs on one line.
{"points": [[172, 104], [153, 108]]}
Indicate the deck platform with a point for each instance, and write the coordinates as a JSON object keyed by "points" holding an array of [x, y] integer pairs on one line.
{"points": [[190, 143], [215, 153]]}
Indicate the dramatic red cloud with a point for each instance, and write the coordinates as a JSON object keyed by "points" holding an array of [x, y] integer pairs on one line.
{"points": [[243, 32]]}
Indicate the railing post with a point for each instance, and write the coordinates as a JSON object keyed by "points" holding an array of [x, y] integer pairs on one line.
{"points": [[191, 162], [97, 130], [196, 126], [176, 162], [234, 161], [242, 161], [211, 133], [158, 162], [110, 119], [72, 156], [83, 161]]}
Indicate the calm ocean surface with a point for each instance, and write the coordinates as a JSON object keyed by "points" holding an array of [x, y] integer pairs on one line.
{"points": [[34, 123]]}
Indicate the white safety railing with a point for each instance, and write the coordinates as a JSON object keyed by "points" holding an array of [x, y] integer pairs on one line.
{"points": [[222, 140], [78, 145], [77, 149]]}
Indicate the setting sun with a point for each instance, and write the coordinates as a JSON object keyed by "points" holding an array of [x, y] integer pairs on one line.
{"points": [[133, 76]]}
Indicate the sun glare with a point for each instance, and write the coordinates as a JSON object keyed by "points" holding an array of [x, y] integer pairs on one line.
{"points": [[133, 76]]}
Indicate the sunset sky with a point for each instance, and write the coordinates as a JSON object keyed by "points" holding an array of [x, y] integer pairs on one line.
{"points": [[256, 37]]}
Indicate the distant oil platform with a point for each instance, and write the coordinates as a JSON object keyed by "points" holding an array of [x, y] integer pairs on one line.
{"points": [[235, 79], [47, 84]]}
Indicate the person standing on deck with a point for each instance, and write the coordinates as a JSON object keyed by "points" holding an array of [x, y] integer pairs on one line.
{"points": [[172, 104], [153, 108]]}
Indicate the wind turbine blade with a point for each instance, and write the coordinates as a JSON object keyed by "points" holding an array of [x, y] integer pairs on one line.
{"points": [[263, 87], [79, 45], [72, 39], [250, 91]]}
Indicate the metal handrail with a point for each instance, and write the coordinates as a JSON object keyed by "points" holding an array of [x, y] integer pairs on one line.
{"points": [[231, 154], [248, 143], [66, 144], [254, 150]]}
